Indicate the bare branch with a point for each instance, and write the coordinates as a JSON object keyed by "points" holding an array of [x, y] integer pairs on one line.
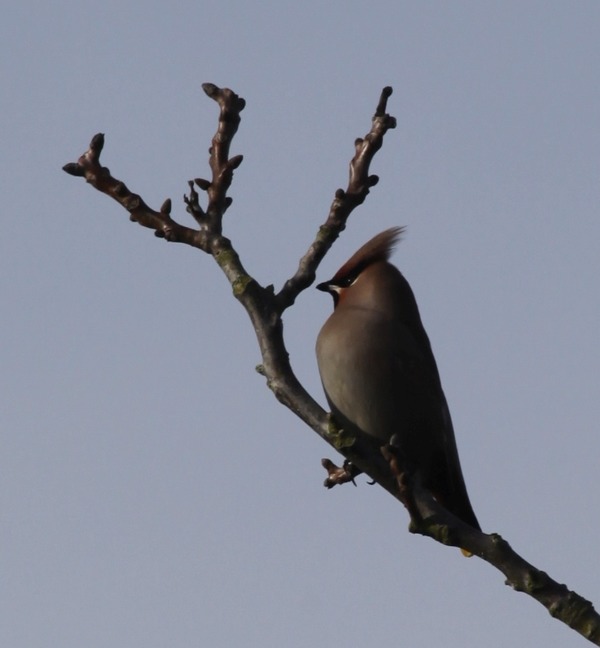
{"points": [[430, 519], [222, 166], [88, 166], [264, 308]]}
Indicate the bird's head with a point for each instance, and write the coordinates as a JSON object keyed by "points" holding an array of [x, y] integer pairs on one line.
{"points": [[361, 265]]}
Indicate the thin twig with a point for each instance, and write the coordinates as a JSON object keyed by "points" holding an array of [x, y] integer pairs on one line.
{"points": [[344, 202]]}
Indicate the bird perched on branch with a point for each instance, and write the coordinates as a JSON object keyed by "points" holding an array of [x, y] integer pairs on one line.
{"points": [[379, 373]]}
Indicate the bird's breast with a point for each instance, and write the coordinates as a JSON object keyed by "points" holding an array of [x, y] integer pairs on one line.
{"points": [[366, 363]]}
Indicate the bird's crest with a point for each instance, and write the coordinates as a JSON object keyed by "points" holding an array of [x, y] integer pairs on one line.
{"points": [[378, 248]]}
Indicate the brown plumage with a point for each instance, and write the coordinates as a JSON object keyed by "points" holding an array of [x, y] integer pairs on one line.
{"points": [[379, 373]]}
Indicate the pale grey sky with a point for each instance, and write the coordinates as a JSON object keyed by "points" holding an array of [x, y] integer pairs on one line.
{"points": [[153, 492]]}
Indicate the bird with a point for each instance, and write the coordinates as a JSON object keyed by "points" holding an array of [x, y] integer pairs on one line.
{"points": [[379, 373]]}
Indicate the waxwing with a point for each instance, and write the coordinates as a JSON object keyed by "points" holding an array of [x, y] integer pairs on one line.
{"points": [[379, 373]]}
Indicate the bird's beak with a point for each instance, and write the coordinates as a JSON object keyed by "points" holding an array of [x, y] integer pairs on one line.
{"points": [[325, 286]]}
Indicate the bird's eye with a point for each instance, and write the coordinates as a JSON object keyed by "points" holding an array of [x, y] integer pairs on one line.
{"points": [[346, 282]]}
